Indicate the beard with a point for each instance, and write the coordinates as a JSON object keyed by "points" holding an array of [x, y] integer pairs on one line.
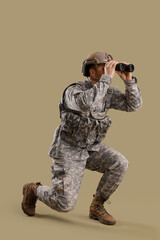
{"points": [[97, 77]]}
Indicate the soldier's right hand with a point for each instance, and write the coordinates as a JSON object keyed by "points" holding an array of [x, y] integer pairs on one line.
{"points": [[109, 68]]}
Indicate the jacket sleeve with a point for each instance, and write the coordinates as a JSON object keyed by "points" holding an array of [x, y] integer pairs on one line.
{"points": [[77, 99], [130, 101]]}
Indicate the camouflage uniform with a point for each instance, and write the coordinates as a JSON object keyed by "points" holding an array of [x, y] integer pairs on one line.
{"points": [[77, 142]]}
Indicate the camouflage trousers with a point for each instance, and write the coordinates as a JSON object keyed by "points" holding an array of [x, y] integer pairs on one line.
{"points": [[67, 174]]}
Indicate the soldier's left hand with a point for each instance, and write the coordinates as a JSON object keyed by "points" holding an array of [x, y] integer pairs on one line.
{"points": [[125, 76]]}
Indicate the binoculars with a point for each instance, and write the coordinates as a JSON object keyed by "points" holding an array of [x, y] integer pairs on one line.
{"points": [[123, 67]]}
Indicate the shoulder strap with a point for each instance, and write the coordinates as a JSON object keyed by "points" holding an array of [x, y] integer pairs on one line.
{"points": [[61, 104], [65, 91]]}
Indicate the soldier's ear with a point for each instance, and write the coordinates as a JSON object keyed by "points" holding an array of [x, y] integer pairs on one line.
{"points": [[92, 72]]}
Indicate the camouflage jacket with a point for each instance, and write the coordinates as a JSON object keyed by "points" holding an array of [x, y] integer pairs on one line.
{"points": [[83, 112]]}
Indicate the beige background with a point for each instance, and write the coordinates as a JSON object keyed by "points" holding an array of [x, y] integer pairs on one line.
{"points": [[43, 44]]}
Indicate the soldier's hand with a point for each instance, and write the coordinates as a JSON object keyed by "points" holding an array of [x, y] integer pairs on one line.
{"points": [[110, 68], [125, 76]]}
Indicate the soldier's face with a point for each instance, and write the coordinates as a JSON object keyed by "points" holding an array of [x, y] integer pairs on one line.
{"points": [[97, 72], [100, 70]]}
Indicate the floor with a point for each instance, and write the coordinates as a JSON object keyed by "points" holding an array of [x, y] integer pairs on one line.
{"points": [[134, 222]]}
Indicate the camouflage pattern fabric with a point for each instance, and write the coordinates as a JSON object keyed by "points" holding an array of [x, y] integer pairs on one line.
{"points": [[77, 142], [67, 174]]}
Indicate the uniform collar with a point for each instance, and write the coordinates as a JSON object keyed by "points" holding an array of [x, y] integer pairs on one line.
{"points": [[89, 81]]}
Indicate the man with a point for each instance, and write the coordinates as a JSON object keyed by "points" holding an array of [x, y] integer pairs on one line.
{"points": [[77, 142]]}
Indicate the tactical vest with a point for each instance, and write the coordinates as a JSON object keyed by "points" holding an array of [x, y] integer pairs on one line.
{"points": [[80, 129]]}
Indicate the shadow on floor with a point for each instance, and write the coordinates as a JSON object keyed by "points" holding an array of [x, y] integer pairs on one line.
{"points": [[124, 228]]}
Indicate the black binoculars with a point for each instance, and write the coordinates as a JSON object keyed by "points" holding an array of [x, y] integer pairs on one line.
{"points": [[123, 67]]}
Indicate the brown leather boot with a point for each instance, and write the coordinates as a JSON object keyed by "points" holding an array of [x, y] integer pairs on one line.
{"points": [[29, 198], [98, 212]]}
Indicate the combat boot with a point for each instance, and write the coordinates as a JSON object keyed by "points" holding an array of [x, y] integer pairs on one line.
{"points": [[98, 212], [29, 198]]}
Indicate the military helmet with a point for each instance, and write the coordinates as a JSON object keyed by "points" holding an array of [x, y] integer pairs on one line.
{"points": [[93, 59]]}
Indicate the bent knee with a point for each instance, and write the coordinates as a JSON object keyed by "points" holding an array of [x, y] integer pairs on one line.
{"points": [[67, 208], [67, 205], [120, 164], [63, 204], [124, 163]]}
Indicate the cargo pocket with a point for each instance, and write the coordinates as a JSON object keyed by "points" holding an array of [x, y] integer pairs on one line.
{"points": [[69, 129], [83, 130], [58, 174], [103, 128]]}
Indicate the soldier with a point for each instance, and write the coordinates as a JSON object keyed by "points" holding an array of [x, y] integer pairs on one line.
{"points": [[77, 142]]}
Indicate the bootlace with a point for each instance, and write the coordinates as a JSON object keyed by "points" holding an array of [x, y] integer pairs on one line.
{"points": [[108, 202], [102, 210]]}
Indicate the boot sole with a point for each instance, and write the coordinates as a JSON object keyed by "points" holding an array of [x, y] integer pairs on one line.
{"points": [[101, 221], [22, 206]]}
